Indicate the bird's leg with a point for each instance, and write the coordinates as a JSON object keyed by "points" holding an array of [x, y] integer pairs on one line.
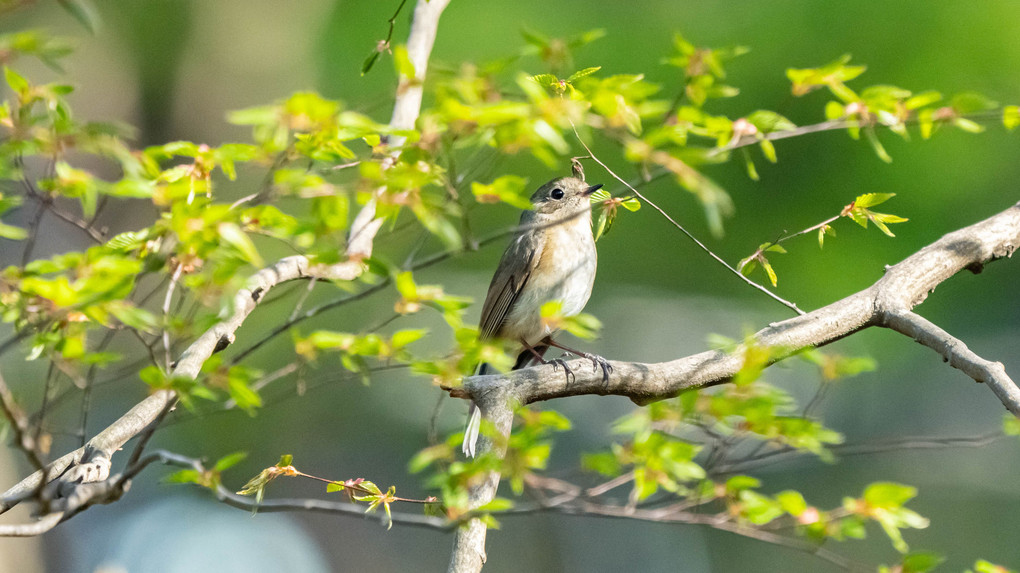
{"points": [[596, 360], [530, 355], [537, 353]]}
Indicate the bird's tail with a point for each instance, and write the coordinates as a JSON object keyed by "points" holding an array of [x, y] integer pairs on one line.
{"points": [[474, 422]]}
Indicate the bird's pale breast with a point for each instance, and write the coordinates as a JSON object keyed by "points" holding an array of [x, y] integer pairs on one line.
{"points": [[564, 272]]}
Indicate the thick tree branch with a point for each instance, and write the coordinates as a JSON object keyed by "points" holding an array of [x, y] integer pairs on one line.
{"points": [[888, 302]]}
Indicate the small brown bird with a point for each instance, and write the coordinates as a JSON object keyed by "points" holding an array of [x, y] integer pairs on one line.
{"points": [[552, 257]]}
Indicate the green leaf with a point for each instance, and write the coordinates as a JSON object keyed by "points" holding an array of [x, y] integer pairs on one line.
{"points": [[888, 494], [601, 224], [497, 504], [968, 125], [554, 420], [747, 265], [767, 266], [741, 482], [229, 461], [831, 75], [137, 318], [768, 150], [583, 326], [769, 121], [971, 102], [547, 80], [510, 189], [1011, 116], [11, 232], [428, 456], [834, 110], [366, 66], [84, 12], [402, 338], [605, 463], [792, 502], [184, 476], [534, 38], [872, 138], [153, 376], [632, 204], [922, 99], [872, 199], [1010, 425], [752, 171], [825, 230], [246, 398], [582, 73], [402, 61], [982, 566], [17, 83], [238, 239], [758, 508], [921, 562], [261, 115]]}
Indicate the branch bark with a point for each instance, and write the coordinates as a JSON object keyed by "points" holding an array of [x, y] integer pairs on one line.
{"points": [[887, 303]]}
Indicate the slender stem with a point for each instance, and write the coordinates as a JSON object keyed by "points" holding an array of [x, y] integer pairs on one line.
{"points": [[20, 424], [690, 236], [168, 360], [33, 233]]}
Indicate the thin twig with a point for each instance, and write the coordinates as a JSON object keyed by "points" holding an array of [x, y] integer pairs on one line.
{"points": [[301, 300], [690, 236], [86, 398], [261, 383], [33, 233], [168, 360], [20, 424], [779, 455]]}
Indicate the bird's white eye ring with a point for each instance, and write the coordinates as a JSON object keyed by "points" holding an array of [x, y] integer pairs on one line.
{"points": [[556, 193]]}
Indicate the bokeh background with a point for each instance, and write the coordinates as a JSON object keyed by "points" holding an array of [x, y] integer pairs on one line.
{"points": [[173, 68]]}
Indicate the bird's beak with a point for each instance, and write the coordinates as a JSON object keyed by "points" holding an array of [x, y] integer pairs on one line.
{"points": [[592, 189]]}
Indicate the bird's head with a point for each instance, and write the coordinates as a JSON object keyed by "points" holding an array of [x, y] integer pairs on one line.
{"points": [[563, 195]]}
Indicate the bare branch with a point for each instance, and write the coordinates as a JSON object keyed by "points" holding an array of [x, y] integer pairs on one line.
{"points": [[19, 423], [572, 500], [830, 125], [230, 498], [956, 353], [764, 458], [45, 524], [669, 514]]}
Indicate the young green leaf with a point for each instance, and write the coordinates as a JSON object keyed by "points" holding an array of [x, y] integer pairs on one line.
{"points": [[582, 73], [1011, 116]]}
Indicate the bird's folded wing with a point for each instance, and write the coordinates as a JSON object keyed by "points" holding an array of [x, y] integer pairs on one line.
{"points": [[511, 276]]}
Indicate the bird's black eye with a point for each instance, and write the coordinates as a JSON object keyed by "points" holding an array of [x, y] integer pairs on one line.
{"points": [[556, 194]]}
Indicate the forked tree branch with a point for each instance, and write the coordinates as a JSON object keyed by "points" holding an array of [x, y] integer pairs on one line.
{"points": [[887, 303]]}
